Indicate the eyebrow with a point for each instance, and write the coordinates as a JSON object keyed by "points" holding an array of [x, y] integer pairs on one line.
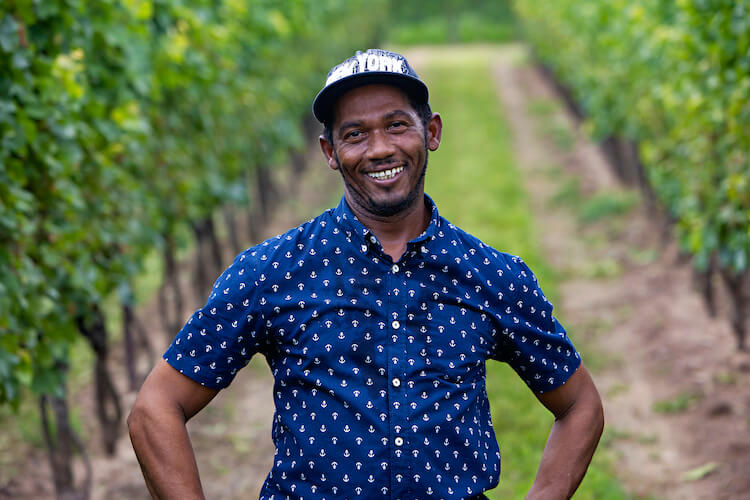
{"points": [[347, 125], [392, 114], [397, 112]]}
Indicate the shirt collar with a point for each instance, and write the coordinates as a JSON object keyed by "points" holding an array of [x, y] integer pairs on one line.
{"points": [[349, 222]]}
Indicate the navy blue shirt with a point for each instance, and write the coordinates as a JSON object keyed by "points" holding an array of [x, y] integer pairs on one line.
{"points": [[379, 367]]}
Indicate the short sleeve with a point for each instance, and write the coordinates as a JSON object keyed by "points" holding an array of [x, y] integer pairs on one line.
{"points": [[222, 336], [532, 341]]}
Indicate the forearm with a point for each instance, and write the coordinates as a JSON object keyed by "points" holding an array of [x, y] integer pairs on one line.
{"points": [[164, 451], [567, 454]]}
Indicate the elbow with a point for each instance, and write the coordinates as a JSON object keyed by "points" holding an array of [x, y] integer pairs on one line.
{"points": [[144, 414], [132, 420], [135, 420], [596, 416], [152, 413], [600, 418], [590, 413]]}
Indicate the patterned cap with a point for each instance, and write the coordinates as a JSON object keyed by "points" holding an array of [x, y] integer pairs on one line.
{"points": [[364, 68]]}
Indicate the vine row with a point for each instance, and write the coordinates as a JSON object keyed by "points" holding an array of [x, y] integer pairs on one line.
{"points": [[664, 85], [125, 126]]}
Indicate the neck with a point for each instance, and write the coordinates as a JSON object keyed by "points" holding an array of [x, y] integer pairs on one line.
{"points": [[395, 231]]}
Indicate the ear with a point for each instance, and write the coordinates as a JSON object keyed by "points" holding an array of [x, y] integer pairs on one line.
{"points": [[434, 131], [328, 152]]}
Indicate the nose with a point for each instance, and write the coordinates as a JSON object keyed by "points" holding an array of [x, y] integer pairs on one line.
{"points": [[380, 146]]}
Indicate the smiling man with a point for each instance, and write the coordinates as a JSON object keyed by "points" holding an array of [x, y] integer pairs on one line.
{"points": [[376, 319]]}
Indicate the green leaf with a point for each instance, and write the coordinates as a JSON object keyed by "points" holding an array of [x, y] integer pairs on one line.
{"points": [[20, 60], [8, 33], [700, 472]]}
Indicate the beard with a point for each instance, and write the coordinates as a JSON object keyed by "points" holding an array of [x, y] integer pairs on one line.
{"points": [[389, 209]]}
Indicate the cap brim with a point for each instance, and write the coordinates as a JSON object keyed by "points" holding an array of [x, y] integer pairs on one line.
{"points": [[326, 98]]}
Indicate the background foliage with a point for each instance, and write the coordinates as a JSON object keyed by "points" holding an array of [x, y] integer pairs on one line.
{"points": [[120, 122], [674, 77], [664, 85], [125, 124]]}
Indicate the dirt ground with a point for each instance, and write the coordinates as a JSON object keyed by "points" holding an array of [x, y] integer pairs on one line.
{"points": [[676, 391]]}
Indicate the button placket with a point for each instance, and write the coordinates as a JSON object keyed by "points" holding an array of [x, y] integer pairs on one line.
{"points": [[400, 467], [408, 280]]}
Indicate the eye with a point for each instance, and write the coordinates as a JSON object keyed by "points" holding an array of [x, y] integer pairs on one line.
{"points": [[352, 135], [398, 126]]}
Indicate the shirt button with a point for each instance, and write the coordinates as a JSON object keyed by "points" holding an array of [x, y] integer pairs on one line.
{"points": [[396, 382], [399, 441], [373, 239], [396, 325], [395, 268]]}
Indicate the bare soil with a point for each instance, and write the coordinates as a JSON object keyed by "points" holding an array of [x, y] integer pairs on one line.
{"points": [[626, 297]]}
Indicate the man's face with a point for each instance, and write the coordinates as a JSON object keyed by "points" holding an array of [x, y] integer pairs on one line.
{"points": [[380, 147]]}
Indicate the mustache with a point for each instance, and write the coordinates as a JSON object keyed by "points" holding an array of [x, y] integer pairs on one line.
{"points": [[384, 163]]}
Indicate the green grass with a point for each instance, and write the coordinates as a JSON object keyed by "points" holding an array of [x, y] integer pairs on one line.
{"points": [[542, 107], [465, 27], [560, 135], [608, 204], [678, 404], [476, 185], [592, 208], [547, 114]]}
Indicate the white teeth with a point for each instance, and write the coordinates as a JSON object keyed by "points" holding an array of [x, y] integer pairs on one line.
{"points": [[386, 174]]}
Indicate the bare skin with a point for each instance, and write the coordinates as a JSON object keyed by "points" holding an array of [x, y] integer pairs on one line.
{"points": [[579, 421], [376, 131], [166, 401]]}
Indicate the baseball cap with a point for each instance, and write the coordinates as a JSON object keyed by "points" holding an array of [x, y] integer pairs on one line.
{"points": [[364, 68]]}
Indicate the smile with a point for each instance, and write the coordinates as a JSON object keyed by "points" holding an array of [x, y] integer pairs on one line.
{"points": [[386, 174]]}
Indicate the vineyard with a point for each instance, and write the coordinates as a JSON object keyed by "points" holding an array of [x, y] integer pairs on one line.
{"points": [[664, 85], [138, 132], [126, 127]]}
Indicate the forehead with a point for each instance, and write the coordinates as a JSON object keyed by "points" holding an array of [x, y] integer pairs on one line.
{"points": [[371, 101]]}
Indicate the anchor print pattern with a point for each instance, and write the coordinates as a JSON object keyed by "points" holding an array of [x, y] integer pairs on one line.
{"points": [[379, 366]]}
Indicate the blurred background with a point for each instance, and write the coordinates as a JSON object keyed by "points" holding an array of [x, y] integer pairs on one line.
{"points": [[143, 143]]}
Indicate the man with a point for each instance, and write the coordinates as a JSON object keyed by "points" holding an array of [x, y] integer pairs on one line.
{"points": [[376, 319]]}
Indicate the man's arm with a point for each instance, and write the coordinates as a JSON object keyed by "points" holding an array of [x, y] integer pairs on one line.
{"points": [[579, 421], [156, 423]]}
